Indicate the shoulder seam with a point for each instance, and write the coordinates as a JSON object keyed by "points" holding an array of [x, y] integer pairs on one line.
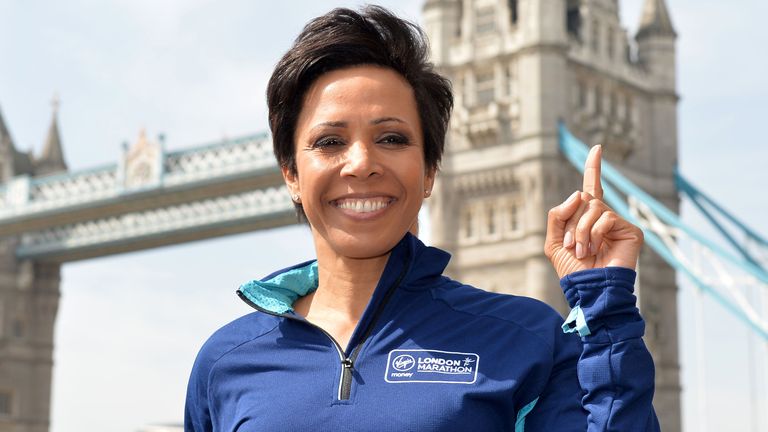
{"points": [[243, 343], [214, 362], [505, 320]]}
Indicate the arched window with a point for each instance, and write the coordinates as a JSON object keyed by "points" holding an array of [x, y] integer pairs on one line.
{"points": [[5, 403], [595, 36], [513, 217], [512, 79], [513, 11], [17, 328], [610, 46], [573, 18], [491, 219], [466, 223], [582, 94], [598, 100]]}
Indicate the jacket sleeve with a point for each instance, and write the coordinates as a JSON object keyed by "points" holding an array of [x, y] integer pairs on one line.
{"points": [[603, 381], [615, 369], [197, 414]]}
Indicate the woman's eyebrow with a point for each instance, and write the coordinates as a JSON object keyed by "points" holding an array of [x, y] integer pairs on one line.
{"points": [[386, 119], [343, 124], [333, 124]]}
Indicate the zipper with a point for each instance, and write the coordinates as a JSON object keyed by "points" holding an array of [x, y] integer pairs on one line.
{"points": [[347, 362]]}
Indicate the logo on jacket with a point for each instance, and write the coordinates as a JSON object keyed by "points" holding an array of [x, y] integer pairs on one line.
{"points": [[433, 366], [403, 363]]}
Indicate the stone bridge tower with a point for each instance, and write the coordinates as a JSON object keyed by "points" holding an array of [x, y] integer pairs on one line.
{"points": [[517, 66], [29, 298]]}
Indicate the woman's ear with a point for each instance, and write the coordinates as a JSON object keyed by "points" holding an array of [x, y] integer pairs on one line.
{"points": [[292, 182], [429, 181]]}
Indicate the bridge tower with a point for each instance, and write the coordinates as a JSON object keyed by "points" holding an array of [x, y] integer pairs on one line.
{"points": [[29, 299], [517, 67]]}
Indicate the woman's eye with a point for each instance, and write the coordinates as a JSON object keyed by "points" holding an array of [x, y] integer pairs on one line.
{"points": [[327, 142], [395, 139]]}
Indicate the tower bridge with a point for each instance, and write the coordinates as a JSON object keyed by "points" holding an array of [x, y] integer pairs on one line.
{"points": [[151, 198], [517, 67]]}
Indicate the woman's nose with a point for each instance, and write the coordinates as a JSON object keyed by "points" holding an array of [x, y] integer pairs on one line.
{"points": [[361, 161]]}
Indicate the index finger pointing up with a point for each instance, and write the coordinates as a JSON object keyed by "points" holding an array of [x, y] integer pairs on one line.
{"points": [[592, 183]]}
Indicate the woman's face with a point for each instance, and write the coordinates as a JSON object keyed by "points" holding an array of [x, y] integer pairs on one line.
{"points": [[360, 161]]}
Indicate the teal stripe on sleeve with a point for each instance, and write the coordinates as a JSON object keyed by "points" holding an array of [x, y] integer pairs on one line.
{"points": [[520, 422], [576, 322]]}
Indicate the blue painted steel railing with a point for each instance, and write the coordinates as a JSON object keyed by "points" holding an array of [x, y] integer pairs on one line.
{"points": [[576, 152]]}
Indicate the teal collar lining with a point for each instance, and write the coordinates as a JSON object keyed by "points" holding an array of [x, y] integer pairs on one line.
{"points": [[278, 294]]}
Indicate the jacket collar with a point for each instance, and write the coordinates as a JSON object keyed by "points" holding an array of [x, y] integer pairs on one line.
{"points": [[411, 264]]}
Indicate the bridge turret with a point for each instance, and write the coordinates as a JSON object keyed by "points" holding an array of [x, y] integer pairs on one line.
{"points": [[51, 160], [6, 152], [12, 161], [656, 44]]}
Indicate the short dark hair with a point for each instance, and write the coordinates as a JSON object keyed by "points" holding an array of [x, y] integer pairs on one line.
{"points": [[344, 38]]}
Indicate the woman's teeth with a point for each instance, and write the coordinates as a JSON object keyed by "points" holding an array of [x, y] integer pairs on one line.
{"points": [[362, 206]]}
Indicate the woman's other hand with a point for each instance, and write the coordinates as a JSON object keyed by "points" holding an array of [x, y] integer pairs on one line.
{"points": [[584, 233]]}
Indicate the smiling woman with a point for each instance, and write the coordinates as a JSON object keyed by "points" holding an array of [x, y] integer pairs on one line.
{"points": [[371, 335], [360, 173]]}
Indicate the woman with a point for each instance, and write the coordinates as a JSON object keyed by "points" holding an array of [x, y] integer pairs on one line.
{"points": [[371, 335]]}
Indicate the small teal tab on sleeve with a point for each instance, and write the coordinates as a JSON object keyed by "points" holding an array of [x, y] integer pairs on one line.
{"points": [[520, 422], [576, 322]]}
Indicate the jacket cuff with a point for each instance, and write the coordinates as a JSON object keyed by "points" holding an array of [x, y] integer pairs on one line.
{"points": [[603, 304]]}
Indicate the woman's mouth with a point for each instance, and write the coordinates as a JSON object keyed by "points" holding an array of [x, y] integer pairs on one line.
{"points": [[363, 205]]}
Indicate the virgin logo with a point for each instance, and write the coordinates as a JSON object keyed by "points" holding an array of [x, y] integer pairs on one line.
{"points": [[403, 363]]}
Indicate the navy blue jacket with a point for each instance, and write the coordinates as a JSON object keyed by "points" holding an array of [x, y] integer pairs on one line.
{"points": [[429, 354]]}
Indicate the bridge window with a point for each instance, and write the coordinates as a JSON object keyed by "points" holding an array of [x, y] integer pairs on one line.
{"points": [[5, 403], [512, 79], [512, 224], [573, 18], [595, 36], [598, 100], [485, 87], [582, 94], [460, 21], [610, 43], [513, 11], [491, 219], [514, 217], [17, 328], [485, 20], [466, 224]]}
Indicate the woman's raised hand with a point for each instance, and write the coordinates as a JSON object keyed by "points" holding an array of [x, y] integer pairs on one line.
{"points": [[584, 233]]}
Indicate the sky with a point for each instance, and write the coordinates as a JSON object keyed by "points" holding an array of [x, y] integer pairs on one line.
{"points": [[129, 326]]}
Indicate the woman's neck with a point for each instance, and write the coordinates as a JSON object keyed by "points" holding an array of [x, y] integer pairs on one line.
{"points": [[345, 287], [347, 284]]}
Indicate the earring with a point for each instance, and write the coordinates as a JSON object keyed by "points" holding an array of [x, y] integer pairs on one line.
{"points": [[296, 198], [427, 193]]}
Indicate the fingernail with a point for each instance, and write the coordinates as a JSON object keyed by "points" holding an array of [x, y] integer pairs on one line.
{"points": [[568, 239], [571, 198], [579, 251]]}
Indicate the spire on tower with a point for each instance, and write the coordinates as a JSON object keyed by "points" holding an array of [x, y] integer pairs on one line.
{"points": [[5, 136], [655, 20], [52, 158]]}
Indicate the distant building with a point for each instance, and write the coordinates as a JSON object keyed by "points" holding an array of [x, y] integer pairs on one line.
{"points": [[29, 300]]}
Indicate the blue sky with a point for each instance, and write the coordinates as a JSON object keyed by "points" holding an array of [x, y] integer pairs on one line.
{"points": [[196, 70]]}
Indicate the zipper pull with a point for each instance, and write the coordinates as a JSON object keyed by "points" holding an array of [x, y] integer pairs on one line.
{"points": [[347, 363]]}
